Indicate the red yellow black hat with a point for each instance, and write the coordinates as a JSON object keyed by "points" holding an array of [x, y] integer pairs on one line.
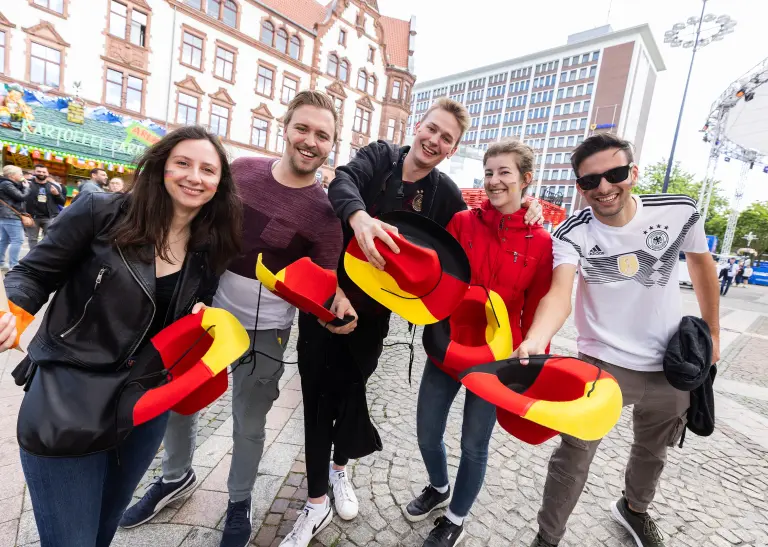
{"points": [[424, 282], [186, 365], [550, 395], [478, 331], [305, 285]]}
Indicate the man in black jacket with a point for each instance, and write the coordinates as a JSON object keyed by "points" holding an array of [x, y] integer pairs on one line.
{"points": [[13, 192], [334, 369], [43, 202]]}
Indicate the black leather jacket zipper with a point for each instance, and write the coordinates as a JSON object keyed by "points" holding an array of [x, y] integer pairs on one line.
{"points": [[99, 277], [152, 300]]}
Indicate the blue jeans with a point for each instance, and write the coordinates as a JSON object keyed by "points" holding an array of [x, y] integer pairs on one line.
{"points": [[78, 502], [436, 395], [11, 232]]}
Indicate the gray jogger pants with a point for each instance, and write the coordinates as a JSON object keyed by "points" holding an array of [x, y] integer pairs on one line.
{"points": [[254, 389], [658, 417]]}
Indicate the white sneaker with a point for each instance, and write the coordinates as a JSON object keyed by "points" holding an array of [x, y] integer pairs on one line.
{"points": [[310, 523], [344, 498]]}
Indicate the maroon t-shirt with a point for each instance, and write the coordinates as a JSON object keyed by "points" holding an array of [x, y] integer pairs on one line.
{"points": [[285, 224]]}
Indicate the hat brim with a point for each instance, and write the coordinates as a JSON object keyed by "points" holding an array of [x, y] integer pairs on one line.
{"points": [[495, 329], [309, 273], [196, 351], [550, 395], [441, 300]]}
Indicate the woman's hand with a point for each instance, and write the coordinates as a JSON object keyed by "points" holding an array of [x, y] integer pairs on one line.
{"points": [[342, 307], [197, 308], [534, 215], [7, 331]]}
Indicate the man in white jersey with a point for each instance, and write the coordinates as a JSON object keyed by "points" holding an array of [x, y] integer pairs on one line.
{"points": [[627, 308]]}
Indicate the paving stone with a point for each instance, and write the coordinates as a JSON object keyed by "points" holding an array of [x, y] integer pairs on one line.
{"points": [[202, 537], [152, 535], [203, 508]]}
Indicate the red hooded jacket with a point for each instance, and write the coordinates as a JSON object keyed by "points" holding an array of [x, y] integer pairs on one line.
{"points": [[508, 257]]}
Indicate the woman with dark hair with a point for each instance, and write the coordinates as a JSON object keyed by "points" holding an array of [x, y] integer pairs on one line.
{"points": [[122, 267]]}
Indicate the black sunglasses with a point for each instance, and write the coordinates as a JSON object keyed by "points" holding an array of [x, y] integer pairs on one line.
{"points": [[614, 176]]}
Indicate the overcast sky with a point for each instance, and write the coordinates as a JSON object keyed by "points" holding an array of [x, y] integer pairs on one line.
{"points": [[481, 32]]}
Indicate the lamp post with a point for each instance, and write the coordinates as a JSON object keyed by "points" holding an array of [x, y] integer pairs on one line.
{"points": [[750, 237], [691, 35]]}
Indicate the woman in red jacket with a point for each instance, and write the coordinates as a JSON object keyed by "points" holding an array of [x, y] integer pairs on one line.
{"points": [[515, 261]]}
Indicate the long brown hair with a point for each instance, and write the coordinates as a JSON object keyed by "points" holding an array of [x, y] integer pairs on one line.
{"points": [[217, 225]]}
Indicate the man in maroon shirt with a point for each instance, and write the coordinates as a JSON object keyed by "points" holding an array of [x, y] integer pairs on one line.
{"points": [[287, 217]]}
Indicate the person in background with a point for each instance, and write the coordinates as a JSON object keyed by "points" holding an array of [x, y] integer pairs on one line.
{"points": [[727, 274], [493, 236], [116, 185], [739, 279], [42, 202], [747, 272], [162, 248], [13, 191], [98, 182]]}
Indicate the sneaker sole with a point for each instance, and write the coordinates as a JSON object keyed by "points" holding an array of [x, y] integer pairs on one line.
{"points": [[418, 518], [332, 497], [183, 492], [618, 517], [461, 536]]}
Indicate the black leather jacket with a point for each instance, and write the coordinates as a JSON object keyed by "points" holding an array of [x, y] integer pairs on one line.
{"points": [[14, 195], [104, 300]]}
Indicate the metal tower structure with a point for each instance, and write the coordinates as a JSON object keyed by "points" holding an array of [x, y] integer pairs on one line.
{"points": [[730, 231]]}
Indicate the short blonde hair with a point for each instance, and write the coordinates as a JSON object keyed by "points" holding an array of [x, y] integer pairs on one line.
{"points": [[9, 170], [522, 152], [455, 108], [313, 98]]}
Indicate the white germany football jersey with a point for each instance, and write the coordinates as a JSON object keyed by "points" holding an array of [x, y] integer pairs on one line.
{"points": [[627, 298]]}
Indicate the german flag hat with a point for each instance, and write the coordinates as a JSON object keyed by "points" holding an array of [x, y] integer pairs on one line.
{"points": [[550, 395], [184, 367], [478, 331], [424, 282]]}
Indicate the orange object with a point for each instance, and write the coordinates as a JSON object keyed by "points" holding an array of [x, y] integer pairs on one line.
{"points": [[474, 197], [23, 320]]}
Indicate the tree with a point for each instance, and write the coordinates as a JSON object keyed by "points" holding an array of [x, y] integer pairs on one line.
{"points": [[753, 219]]}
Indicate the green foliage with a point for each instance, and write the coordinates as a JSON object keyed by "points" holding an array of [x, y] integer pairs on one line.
{"points": [[753, 219]]}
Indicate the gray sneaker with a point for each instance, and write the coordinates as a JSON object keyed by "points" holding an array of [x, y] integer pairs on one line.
{"points": [[640, 525]]}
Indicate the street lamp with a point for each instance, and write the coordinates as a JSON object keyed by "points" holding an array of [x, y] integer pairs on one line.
{"points": [[750, 237], [691, 35]]}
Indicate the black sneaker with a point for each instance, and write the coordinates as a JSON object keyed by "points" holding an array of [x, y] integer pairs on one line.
{"points": [[539, 541], [156, 497], [237, 528], [444, 534], [640, 525], [429, 500]]}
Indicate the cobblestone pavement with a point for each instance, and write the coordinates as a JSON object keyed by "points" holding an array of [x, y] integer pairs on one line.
{"points": [[713, 492]]}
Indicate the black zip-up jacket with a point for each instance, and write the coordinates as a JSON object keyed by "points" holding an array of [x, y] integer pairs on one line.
{"points": [[372, 176], [104, 299], [14, 195], [52, 202]]}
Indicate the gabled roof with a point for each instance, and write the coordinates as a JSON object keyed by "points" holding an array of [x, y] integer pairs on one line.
{"points": [[397, 34], [306, 13]]}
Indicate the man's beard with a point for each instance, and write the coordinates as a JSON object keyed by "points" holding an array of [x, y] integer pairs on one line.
{"points": [[41, 177]]}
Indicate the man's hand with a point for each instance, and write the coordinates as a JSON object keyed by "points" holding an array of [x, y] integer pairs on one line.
{"points": [[534, 214], [7, 331], [197, 308], [54, 190], [715, 348], [367, 230], [527, 348], [341, 307]]}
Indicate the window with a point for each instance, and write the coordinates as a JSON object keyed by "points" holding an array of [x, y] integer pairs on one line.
{"points": [[567, 108], [592, 71], [548, 159], [229, 13], [344, 71], [267, 33], [45, 65], [123, 91], [396, 90], [557, 110], [563, 175], [570, 143], [560, 142], [281, 44], [579, 90], [574, 124], [579, 139], [571, 75], [332, 155], [362, 80], [583, 123], [371, 85], [560, 93], [280, 140], [219, 120], [371, 53], [333, 65], [53, 5], [590, 87], [352, 152], [551, 143], [585, 107], [289, 90], [576, 107], [569, 92], [567, 158], [118, 19], [265, 81], [585, 58], [295, 47], [555, 174], [342, 37], [225, 11], [558, 158], [2, 51], [224, 65], [582, 73], [362, 121], [192, 51], [187, 109], [338, 104], [259, 132], [595, 55]]}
